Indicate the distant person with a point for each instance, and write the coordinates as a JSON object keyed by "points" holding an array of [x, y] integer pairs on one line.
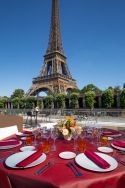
{"points": [[36, 111]]}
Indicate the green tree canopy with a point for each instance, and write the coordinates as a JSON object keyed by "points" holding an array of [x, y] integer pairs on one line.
{"points": [[75, 90], [60, 99], [48, 101], [30, 102], [90, 99], [122, 98], [2, 102], [91, 87], [74, 100], [16, 102], [18, 93], [108, 98]]}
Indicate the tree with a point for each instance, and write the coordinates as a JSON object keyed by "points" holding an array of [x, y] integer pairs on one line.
{"points": [[30, 102], [3, 100], [74, 100], [91, 87], [18, 93], [22, 102], [60, 99], [90, 99], [75, 90], [122, 98], [48, 100], [108, 98], [16, 102]]}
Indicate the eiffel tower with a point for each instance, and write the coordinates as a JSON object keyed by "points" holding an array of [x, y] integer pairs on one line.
{"points": [[54, 75]]}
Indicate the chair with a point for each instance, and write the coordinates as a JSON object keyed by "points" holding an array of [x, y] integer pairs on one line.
{"points": [[9, 125], [29, 120], [8, 131]]}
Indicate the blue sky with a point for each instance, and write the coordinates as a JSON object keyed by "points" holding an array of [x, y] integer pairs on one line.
{"points": [[93, 35]]}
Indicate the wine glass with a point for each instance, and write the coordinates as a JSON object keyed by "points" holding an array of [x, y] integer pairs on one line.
{"points": [[75, 137], [54, 136]]}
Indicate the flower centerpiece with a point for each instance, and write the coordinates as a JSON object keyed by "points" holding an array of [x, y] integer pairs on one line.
{"points": [[68, 126]]}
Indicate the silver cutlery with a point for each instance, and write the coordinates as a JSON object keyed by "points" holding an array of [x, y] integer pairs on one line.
{"points": [[75, 167], [2, 159], [72, 166], [121, 152], [120, 161], [44, 168]]}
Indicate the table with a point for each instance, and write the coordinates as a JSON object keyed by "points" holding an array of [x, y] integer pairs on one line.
{"points": [[61, 176]]}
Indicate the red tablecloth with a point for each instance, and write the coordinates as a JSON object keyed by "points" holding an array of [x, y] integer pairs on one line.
{"points": [[61, 176]]}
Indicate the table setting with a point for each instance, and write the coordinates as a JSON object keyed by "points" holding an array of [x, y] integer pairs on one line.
{"points": [[49, 154]]}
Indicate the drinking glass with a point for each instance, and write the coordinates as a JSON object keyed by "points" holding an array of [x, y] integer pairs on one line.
{"points": [[47, 134], [75, 137], [35, 133], [98, 134], [29, 140], [54, 136], [104, 140], [81, 144]]}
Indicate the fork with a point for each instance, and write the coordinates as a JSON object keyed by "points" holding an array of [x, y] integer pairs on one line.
{"points": [[74, 165], [73, 170], [44, 168], [120, 161], [2, 159]]}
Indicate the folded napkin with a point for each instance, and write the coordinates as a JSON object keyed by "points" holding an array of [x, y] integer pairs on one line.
{"points": [[29, 159], [97, 159], [110, 132], [27, 132], [118, 143], [9, 142]]}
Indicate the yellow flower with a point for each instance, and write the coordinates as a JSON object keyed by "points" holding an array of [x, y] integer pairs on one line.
{"points": [[70, 118]]}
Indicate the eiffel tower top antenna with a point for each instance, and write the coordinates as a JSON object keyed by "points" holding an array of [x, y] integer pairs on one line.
{"points": [[55, 41]]}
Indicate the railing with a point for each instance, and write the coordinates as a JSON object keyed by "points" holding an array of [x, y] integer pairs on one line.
{"points": [[63, 112]]}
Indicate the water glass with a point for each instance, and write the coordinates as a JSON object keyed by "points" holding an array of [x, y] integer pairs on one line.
{"points": [[29, 140], [81, 144], [54, 136], [75, 137]]}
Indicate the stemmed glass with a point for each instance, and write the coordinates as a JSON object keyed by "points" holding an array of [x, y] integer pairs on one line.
{"points": [[36, 133], [75, 137], [47, 134], [98, 134], [54, 136]]}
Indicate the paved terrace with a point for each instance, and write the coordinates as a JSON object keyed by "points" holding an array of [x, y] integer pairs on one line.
{"points": [[116, 123]]}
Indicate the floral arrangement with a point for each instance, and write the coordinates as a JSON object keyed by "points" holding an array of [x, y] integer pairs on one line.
{"points": [[68, 126]]}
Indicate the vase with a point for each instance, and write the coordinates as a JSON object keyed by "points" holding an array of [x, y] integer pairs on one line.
{"points": [[68, 137]]}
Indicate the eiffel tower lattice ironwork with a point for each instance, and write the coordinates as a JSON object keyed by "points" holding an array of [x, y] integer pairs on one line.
{"points": [[54, 75]]}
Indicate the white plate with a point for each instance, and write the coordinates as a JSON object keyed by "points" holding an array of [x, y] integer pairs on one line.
{"points": [[85, 162], [67, 155], [10, 146], [23, 134], [12, 160], [110, 138], [113, 135], [117, 147], [105, 149], [27, 148], [23, 138]]}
